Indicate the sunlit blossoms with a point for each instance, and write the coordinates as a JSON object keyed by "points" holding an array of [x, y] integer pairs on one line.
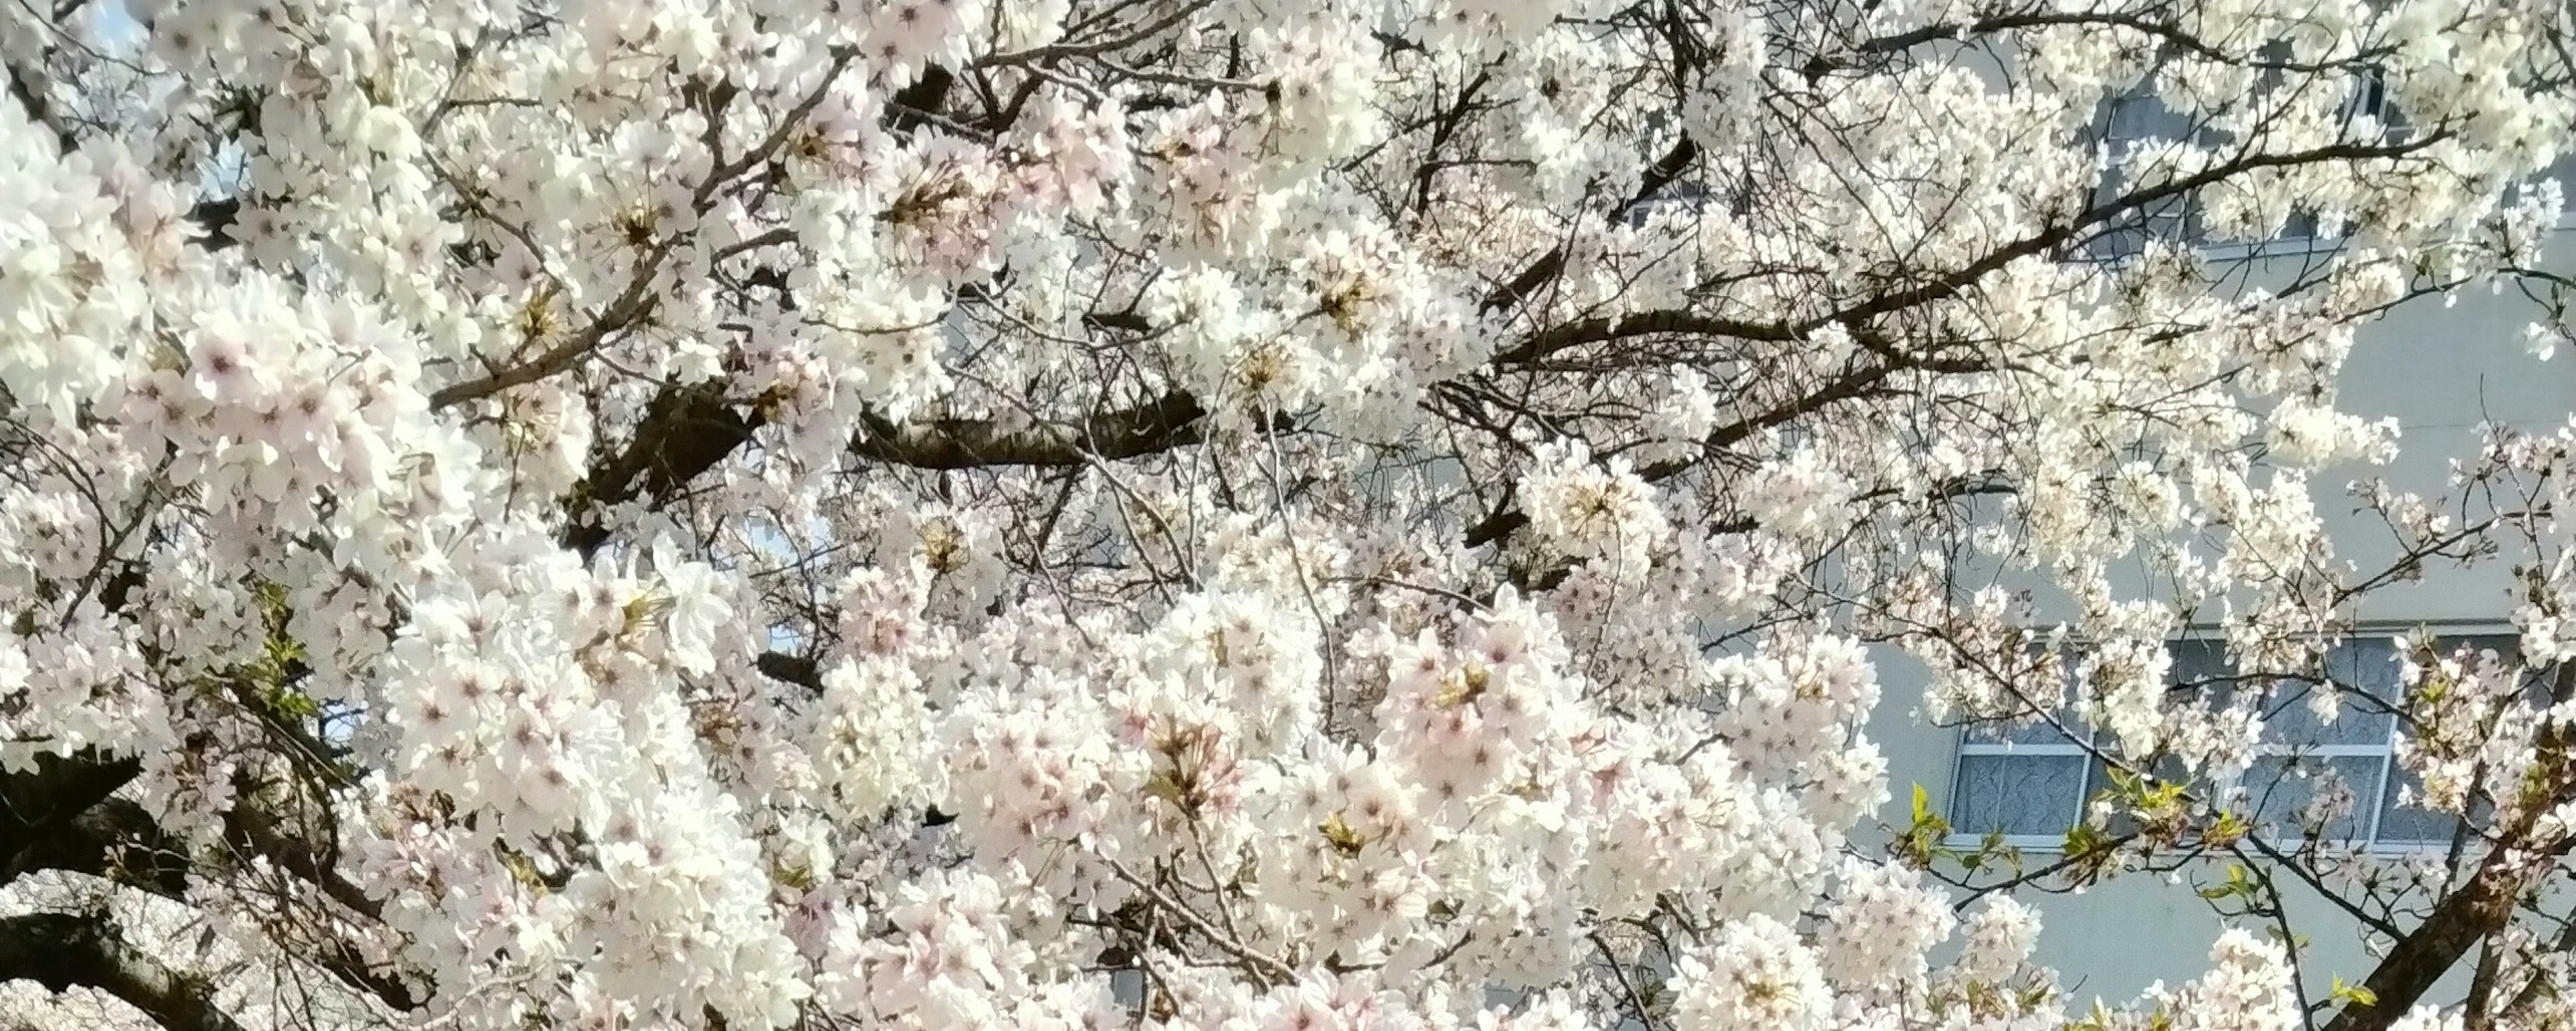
{"points": [[1390, 514]]}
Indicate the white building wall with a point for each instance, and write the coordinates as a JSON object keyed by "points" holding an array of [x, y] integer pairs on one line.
{"points": [[2440, 370]]}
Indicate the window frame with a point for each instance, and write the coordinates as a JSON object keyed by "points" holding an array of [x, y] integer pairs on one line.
{"points": [[2457, 631], [2195, 239], [1964, 747]]}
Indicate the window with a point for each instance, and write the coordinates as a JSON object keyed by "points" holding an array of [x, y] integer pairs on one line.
{"points": [[2371, 101], [1680, 194], [2139, 116], [2302, 754], [2030, 784], [2564, 171], [2127, 121]]}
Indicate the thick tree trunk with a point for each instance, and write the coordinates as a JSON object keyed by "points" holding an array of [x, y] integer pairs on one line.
{"points": [[60, 950], [40, 806], [2420, 958], [2479, 908]]}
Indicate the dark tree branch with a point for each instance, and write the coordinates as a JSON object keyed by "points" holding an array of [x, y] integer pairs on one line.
{"points": [[1856, 385], [2421, 957], [2166, 31], [1540, 272], [632, 305], [29, 91], [923, 102], [685, 431], [254, 830], [39, 808], [114, 840], [2535, 987], [62, 816], [1171, 421], [688, 431], [216, 218], [2478, 908], [62, 950], [1607, 328], [791, 669]]}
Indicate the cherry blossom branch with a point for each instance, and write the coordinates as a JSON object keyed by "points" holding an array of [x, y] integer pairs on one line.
{"points": [[2117, 19], [1275, 969], [1175, 419], [1602, 329], [29, 91], [639, 298], [1539, 273], [1856, 385], [1107, 46], [2418, 959], [58, 815], [630, 305]]}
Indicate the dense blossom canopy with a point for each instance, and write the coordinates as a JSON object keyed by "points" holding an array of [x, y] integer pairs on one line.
{"points": [[1224, 514]]}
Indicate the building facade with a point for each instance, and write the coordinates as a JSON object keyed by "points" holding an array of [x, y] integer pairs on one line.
{"points": [[2440, 370]]}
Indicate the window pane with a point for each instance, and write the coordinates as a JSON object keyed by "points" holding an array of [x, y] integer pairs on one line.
{"points": [[2037, 732], [2302, 225], [2563, 170], [2199, 659], [2412, 825], [2287, 720], [2366, 664], [2018, 794], [2126, 120], [2278, 789], [2141, 115], [2507, 645], [2509, 648], [2201, 670]]}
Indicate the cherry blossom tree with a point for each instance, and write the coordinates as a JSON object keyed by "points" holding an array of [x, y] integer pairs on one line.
{"points": [[1230, 514]]}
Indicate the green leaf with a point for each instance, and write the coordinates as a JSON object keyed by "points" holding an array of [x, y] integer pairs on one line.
{"points": [[2354, 994], [1344, 839], [1167, 788], [2236, 885]]}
